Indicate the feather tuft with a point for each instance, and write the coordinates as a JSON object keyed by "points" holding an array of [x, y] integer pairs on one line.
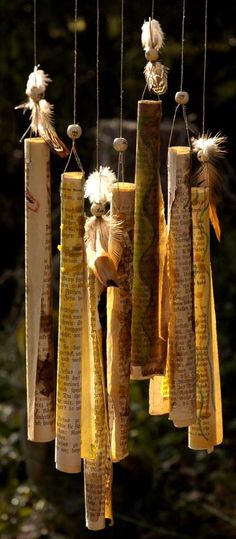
{"points": [[104, 243], [37, 79], [42, 112], [209, 149], [152, 35], [98, 185], [156, 75]]}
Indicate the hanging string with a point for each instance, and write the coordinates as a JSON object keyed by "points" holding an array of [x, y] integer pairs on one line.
{"points": [[204, 68], [185, 118], [121, 66], [118, 144], [74, 131], [35, 32], [75, 61], [182, 47], [153, 5], [97, 84]]}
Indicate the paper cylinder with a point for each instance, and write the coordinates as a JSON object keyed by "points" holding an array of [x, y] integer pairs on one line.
{"points": [[181, 346], [39, 310], [148, 348], [98, 471], [68, 404], [119, 311], [207, 431]]}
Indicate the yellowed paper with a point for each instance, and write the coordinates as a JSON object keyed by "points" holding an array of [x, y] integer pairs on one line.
{"points": [[119, 310], [148, 347], [181, 346], [98, 471], [68, 405], [87, 404], [39, 311], [175, 393], [208, 431]]}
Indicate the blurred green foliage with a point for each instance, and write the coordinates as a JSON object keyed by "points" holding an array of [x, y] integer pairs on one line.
{"points": [[162, 489]]}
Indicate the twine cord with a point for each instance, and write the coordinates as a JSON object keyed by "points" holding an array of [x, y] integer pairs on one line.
{"points": [[97, 83], [120, 171], [73, 150], [35, 32], [204, 68], [185, 118]]}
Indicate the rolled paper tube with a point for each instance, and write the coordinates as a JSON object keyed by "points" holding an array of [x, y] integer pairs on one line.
{"points": [[148, 350], [119, 309], [159, 393], [87, 394], [207, 431], [175, 393], [181, 346], [98, 471], [40, 376], [68, 403]]}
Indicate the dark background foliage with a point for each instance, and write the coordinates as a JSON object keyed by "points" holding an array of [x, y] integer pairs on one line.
{"points": [[162, 489]]}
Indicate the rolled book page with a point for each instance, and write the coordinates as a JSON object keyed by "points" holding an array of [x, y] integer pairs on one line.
{"points": [[40, 377], [207, 431], [181, 345], [175, 392], [119, 310], [68, 403], [159, 393], [98, 471], [148, 350], [87, 394]]}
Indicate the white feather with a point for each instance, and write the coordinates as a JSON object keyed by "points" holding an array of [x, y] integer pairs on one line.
{"points": [[98, 185], [152, 35], [211, 147], [37, 79], [156, 75]]}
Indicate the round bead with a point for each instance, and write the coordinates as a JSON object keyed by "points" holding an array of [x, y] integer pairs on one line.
{"points": [[202, 155], [36, 93], [120, 144], [181, 98], [74, 131], [152, 55], [97, 209]]}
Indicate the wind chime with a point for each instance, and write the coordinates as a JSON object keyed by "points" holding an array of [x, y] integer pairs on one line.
{"points": [[156, 277], [190, 389], [40, 375], [148, 349]]}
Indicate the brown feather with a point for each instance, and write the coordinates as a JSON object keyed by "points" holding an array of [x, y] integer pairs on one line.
{"points": [[102, 254], [208, 176], [54, 142]]}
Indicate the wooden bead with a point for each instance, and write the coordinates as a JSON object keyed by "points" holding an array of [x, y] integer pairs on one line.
{"points": [[181, 98], [120, 144], [97, 209], [152, 55], [202, 155], [74, 131], [36, 93]]}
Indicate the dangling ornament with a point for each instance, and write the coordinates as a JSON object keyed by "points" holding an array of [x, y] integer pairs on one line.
{"points": [[103, 235], [41, 112], [209, 150], [176, 392], [40, 367], [155, 72], [207, 431]]}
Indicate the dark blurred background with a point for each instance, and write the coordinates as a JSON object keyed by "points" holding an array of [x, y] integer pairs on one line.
{"points": [[162, 489]]}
